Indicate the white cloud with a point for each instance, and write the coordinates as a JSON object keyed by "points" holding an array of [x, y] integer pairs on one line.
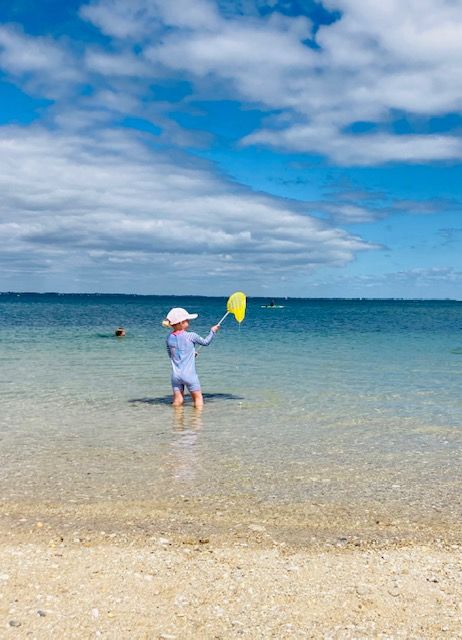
{"points": [[351, 214], [118, 19], [362, 206], [426, 276], [419, 282], [375, 60], [141, 18], [73, 202], [240, 51], [362, 150], [44, 65], [119, 64]]}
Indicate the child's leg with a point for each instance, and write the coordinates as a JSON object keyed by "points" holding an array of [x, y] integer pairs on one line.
{"points": [[197, 399], [178, 397]]}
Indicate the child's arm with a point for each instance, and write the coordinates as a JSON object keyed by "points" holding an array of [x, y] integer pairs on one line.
{"points": [[196, 338]]}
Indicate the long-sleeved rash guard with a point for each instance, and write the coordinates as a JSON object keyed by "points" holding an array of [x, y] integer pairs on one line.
{"points": [[182, 354]]}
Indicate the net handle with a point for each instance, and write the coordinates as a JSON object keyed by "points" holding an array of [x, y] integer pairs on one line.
{"points": [[226, 314], [218, 323]]}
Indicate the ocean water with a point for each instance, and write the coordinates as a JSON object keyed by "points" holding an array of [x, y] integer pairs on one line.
{"points": [[333, 402]]}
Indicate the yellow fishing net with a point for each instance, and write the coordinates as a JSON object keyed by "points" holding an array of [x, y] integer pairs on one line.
{"points": [[236, 305]]}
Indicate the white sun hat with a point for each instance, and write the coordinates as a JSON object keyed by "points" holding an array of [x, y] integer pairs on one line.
{"points": [[177, 314]]}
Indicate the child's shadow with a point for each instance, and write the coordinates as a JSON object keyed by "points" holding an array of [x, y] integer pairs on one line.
{"points": [[209, 397]]}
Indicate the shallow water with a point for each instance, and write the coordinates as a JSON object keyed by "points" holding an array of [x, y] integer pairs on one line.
{"points": [[351, 403]]}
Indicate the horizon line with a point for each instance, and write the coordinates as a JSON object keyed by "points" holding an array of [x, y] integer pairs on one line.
{"points": [[198, 295]]}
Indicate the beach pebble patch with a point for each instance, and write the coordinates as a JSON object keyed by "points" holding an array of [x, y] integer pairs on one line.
{"points": [[257, 527]]}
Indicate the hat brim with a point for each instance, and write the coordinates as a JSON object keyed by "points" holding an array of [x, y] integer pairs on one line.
{"points": [[171, 323]]}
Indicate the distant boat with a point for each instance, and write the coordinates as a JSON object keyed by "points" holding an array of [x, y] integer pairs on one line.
{"points": [[272, 305]]}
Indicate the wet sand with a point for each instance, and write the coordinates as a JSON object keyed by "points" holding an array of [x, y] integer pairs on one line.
{"points": [[202, 568]]}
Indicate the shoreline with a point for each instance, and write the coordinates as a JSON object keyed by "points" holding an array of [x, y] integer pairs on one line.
{"points": [[227, 520]]}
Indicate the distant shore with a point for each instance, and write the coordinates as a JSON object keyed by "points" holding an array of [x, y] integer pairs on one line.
{"points": [[218, 297]]}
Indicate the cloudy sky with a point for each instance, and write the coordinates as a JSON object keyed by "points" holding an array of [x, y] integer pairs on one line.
{"points": [[282, 147]]}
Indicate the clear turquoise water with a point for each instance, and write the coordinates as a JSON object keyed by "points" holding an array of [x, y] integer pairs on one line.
{"points": [[344, 401]]}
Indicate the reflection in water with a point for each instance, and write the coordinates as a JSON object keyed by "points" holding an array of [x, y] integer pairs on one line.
{"points": [[186, 425]]}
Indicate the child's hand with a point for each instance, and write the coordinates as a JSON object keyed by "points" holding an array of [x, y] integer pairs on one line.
{"points": [[215, 328]]}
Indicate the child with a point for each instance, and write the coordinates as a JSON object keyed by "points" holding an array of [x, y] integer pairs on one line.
{"points": [[182, 353]]}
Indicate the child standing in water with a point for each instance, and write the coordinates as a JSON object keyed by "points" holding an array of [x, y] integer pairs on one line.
{"points": [[182, 354]]}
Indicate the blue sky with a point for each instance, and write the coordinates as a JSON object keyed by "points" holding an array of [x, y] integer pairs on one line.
{"points": [[281, 147]]}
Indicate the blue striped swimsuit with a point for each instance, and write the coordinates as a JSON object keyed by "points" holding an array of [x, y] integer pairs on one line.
{"points": [[182, 354]]}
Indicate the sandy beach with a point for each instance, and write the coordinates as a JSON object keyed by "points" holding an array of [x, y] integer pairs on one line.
{"points": [[153, 574]]}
